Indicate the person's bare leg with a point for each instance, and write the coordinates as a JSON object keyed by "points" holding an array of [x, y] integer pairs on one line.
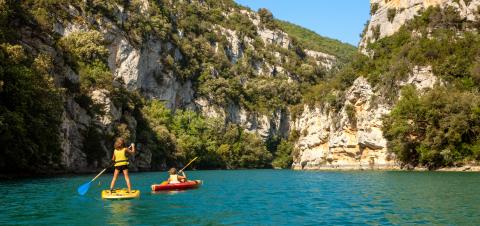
{"points": [[114, 179], [127, 179]]}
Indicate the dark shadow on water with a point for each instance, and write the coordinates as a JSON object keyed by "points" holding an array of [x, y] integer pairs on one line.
{"points": [[173, 192]]}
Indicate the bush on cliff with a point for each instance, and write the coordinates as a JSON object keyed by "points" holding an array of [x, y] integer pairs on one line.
{"points": [[439, 128], [30, 114]]}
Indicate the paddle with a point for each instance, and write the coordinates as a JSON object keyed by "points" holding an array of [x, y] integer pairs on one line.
{"points": [[188, 164], [84, 188]]}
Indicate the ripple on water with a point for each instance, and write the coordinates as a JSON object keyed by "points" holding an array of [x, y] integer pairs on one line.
{"points": [[253, 197]]}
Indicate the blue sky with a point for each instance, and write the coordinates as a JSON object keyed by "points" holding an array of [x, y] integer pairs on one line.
{"points": [[338, 19]]}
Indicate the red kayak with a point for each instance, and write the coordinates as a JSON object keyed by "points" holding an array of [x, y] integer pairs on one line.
{"points": [[165, 186]]}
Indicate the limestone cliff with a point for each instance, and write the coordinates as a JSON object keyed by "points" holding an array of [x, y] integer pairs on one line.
{"points": [[351, 138], [387, 16], [149, 65]]}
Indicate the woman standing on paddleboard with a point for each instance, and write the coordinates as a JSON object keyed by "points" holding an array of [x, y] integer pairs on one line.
{"points": [[120, 158]]}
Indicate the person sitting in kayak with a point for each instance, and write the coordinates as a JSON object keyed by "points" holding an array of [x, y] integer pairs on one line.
{"points": [[175, 178], [120, 158]]}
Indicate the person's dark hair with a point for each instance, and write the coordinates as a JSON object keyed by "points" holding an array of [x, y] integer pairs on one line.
{"points": [[119, 143], [172, 171]]}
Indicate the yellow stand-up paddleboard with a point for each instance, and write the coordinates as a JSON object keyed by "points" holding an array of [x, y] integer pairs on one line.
{"points": [[119, 194]]}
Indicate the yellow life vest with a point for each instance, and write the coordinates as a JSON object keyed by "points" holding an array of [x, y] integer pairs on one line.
{"points": [[121, 158], [174, 179]]}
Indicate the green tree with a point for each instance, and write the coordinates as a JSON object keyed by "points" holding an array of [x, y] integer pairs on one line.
{"points": [[437, 129], [85, 46], [283, 155], [30, 114], [266, 18]]}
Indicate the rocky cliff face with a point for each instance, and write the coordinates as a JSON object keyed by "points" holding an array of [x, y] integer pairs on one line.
{"points": [[136, 67], [140, 67], [347, 138], [351, 138], [241, 54], [388, 16]]}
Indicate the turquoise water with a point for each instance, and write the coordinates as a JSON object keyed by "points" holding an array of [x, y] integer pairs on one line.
{"points": [[253, 197]]}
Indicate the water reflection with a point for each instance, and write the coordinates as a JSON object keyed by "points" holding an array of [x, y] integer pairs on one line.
{"points": [[120, 212], [170, 192]]}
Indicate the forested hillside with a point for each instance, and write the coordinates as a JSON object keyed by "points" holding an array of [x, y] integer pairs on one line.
{"points": [[237, 88], [179, 78], [313, 41], [440, 127], [419, 87]]}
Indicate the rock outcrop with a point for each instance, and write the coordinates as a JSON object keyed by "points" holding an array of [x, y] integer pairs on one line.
{"points": [[389, 15], [348, 139], [351, 138]]}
